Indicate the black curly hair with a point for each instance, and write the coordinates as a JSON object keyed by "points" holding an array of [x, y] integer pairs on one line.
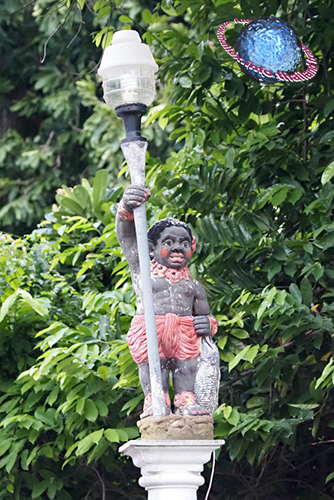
{"points": [[157, 228]]}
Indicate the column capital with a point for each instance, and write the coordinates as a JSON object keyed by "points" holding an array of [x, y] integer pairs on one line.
{"points": [[171, 469]]}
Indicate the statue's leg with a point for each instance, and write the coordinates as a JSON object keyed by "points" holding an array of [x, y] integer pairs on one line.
{"points": [[144, 377], [184, 376]]}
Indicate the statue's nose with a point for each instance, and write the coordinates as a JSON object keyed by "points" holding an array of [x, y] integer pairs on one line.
{"points": [[177, 248]]}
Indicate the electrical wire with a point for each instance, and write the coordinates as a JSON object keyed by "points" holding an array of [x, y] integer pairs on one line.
{"points": [[212, 474]]}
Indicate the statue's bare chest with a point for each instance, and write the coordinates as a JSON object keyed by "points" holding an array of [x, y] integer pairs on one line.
{"points": [[173, 297], [163, 285]]}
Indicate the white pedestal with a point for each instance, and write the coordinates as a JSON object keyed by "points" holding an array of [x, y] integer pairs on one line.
{"points": [[171, 470]]}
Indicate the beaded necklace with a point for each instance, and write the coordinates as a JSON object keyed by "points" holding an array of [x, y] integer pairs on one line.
{"points": [[173, 275]]}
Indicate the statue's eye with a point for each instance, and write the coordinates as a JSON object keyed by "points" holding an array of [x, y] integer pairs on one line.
{"points": [[168, 243], [186, 244]]}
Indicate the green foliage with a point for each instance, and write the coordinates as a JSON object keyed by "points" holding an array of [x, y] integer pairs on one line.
{"points": [[67, 374], [250, 168], [54, 129]]}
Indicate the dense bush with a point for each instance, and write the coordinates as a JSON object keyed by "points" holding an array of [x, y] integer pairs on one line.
{"points": [[250, 168]]}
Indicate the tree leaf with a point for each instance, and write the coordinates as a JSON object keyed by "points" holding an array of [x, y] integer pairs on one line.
{"points": [[234, 417], [306, 291], [123, 436], [304, 406], [72, 206], [239, 333], [185, 82], [96, 436], [132, 404], [222, 341], [7, 305], [327, 138], [329, 368], [269, 296], [90, 410], [147, 16], [80, 404], [125, 19], [232, 364], [329, 477], [112, 435], [274, 268], [4, 446], [40, 488], [295, 292], [84, 445], [329, 107], [327, 173], [100, 185], [251, 354], [102, 408], [256, 402]]}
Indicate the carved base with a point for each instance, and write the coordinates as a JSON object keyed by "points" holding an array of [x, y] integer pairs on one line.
{"points": [[177, 427]]}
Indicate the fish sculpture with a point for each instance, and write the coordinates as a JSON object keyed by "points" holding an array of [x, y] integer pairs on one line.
{"points": [[208, 376]]}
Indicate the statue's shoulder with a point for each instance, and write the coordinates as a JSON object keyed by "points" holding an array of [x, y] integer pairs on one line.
{"points": [[199, 289], [197, 283]]}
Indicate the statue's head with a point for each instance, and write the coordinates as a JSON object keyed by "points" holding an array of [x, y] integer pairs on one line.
{"points": [[171, 243]]}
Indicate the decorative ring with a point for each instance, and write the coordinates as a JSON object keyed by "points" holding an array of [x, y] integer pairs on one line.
{"points": [[269, 50]]}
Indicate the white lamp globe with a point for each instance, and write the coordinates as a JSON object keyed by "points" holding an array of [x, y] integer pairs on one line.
{"points": [[128, 69]]}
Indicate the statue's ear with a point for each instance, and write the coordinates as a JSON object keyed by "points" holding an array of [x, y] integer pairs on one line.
{"points": [[193, 244], [151, 249]]}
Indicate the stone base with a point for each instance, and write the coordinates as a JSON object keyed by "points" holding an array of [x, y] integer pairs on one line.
{"points": [[177, 427]]}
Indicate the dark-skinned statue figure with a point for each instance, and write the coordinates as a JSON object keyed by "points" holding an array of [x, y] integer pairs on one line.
{"points": [[183, 319]]}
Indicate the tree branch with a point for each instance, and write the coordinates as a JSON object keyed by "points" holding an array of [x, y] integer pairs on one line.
{"points": [[235, 379]]}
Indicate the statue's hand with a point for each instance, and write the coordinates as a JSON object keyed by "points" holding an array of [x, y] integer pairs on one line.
{"points": [[202, 326], [134, 196]]}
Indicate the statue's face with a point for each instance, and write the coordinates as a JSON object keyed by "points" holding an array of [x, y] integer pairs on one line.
{"points": [[173, 248]]}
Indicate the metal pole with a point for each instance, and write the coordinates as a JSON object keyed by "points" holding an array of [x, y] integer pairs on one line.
{"points": [[135, 155]]}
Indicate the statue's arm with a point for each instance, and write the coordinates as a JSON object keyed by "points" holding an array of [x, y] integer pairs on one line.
{"points": [[126, 235], [133, 197], [204, 322]]}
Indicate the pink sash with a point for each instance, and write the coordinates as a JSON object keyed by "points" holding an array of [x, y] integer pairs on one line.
{"points": [[176, 338]]}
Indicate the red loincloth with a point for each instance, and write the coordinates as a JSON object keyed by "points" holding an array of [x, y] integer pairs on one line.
{"points": [[176, 338]]}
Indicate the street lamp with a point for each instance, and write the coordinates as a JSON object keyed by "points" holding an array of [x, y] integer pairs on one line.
{"points": [[170, 469], [128, 69]]}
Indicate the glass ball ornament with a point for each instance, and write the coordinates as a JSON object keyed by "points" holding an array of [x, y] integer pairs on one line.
{"points": [[270, 43]]}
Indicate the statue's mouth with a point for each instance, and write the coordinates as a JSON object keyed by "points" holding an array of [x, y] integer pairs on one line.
{"points": [[176, 257]]}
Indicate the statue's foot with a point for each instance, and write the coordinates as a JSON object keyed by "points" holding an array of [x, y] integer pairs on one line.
{"points": [[148, 408], [147, 413], [186, 404], [192, 410]]}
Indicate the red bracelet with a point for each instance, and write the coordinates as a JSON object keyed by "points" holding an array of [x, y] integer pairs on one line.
{"points": [[214, 325], [123, 213]]}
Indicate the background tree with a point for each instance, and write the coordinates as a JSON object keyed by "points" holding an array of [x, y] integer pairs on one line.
{"points": [[250, 169]]}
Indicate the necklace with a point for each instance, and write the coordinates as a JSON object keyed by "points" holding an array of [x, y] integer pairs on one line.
{"points": [[173, 275]]}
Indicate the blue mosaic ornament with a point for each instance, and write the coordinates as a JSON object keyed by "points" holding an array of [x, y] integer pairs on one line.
{"points": [[269, 51], [270, 43]]}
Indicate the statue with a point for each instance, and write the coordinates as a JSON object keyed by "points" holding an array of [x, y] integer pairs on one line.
{"points": [[183, 320]]}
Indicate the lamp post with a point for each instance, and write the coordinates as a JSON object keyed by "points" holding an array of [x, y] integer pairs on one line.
{"points": [[128, 69]]}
